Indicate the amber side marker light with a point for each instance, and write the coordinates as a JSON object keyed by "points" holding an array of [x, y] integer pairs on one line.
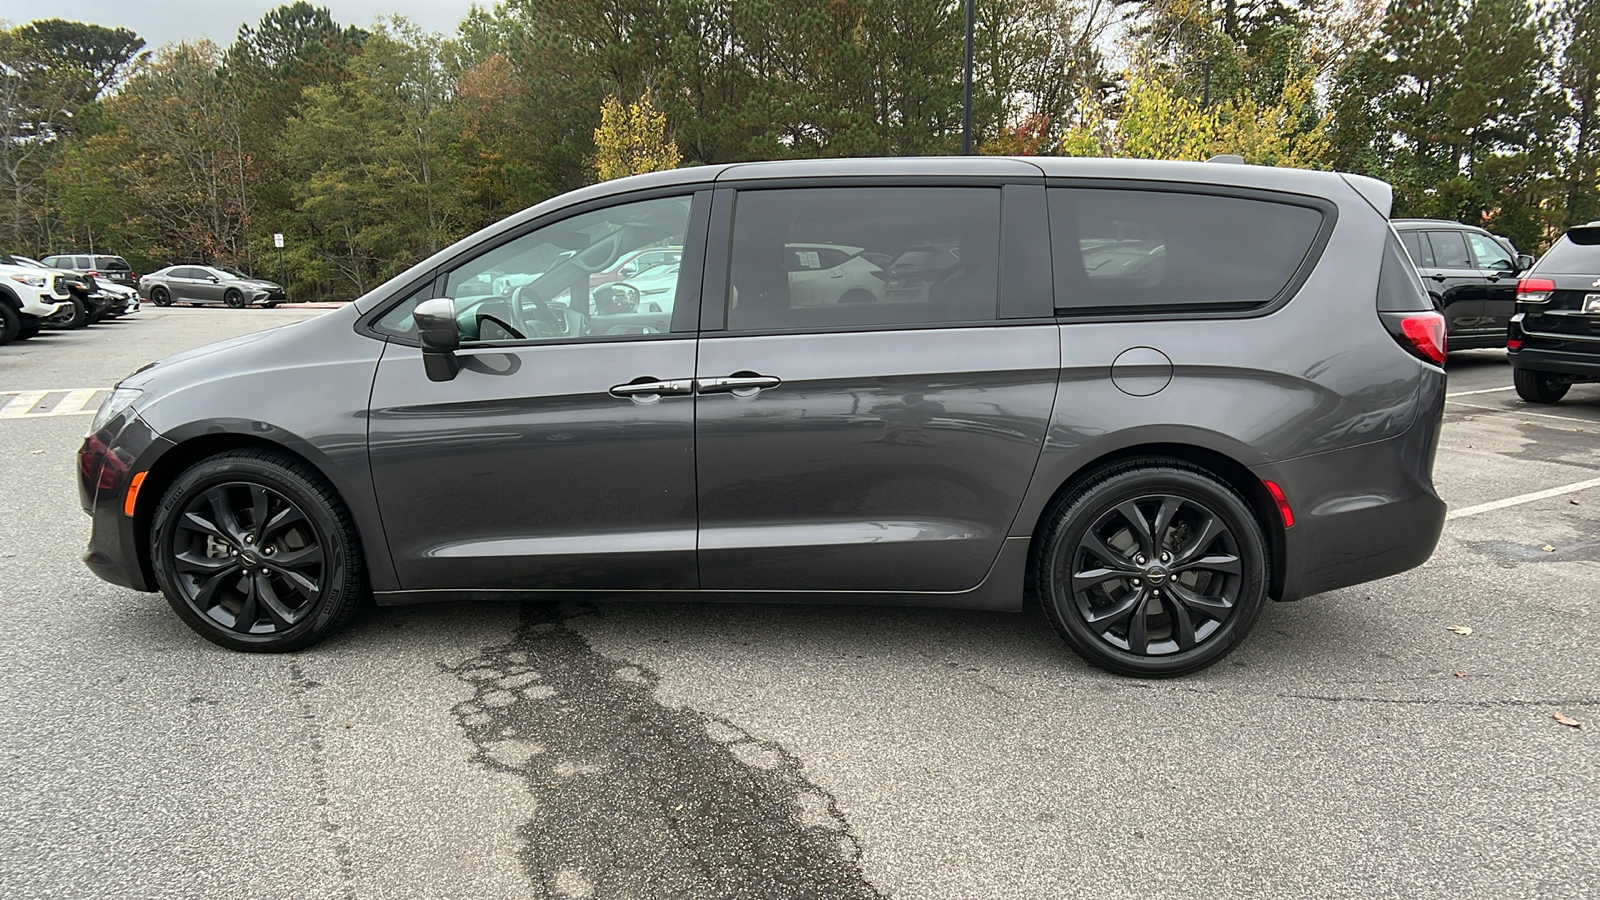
{"points": [[134, 484], [1272, 488]]}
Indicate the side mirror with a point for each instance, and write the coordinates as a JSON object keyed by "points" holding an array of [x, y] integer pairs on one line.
{"points": [[436, 327], [1524, 262], [213, 279]]}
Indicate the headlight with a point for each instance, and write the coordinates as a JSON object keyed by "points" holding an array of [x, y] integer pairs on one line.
{"points": [[119, 400], [31, 280]]}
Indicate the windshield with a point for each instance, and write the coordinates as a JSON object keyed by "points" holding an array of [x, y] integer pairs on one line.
{"points": [[1577, 253], [6, 259]]}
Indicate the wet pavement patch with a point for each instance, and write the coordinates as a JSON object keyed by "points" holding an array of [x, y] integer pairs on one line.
{"points": [[634, 799]]}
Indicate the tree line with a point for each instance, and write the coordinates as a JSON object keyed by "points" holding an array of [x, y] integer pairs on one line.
{"points": [[369, 148]]}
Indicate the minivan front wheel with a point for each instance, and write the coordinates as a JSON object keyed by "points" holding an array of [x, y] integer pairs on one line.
{"points": [[1537, 387], [1152, 568], [255, 552]]}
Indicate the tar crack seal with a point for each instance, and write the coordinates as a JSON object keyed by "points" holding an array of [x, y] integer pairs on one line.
{"points": [[637, 800]]}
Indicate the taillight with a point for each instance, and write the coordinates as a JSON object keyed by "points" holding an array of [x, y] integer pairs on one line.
{"points": [[91, 273], [1421, 333], [1534, 290], [1513, 343]]}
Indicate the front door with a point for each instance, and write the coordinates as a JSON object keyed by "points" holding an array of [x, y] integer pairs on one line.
{"points": [[883, 445], [1499, 271], [1455, 280], [547, 462]]}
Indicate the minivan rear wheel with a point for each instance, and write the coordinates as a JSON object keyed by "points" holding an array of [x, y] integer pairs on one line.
{"points": [[254, 551], [1538, 387], [1152, 568]]}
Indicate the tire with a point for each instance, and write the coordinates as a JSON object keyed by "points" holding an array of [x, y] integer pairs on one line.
{"points": [[80, 315], [10, 323], [30, 327], [1201, 611], [269, 305], [160, 296], [1538, 387], [234, 299], [245, 595], [857, 295]]}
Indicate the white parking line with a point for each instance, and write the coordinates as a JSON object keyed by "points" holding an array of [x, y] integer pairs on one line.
{"points": [[1522, 498], [1484, 391], [72, 402], [1519, 412]]}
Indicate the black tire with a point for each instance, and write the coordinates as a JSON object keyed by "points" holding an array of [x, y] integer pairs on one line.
{"points": [[10, 322], [1212, 585], [160, 297], [212, 576], [1538, 387], [857, 295], [233, 298], [30, 327], [272, 305], [80, 315]]}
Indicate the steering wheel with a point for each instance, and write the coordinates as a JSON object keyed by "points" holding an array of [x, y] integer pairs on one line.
{"points": [[557, 321]]}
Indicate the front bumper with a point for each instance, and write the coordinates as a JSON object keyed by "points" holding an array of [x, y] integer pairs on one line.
{"points": [[107, 462]]}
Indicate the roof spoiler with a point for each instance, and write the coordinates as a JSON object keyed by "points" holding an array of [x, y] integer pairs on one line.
{"points": [[1232, 159], [1378, 193]]}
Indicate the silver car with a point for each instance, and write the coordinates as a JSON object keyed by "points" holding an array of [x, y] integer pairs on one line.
{"points": [[209, 284]]}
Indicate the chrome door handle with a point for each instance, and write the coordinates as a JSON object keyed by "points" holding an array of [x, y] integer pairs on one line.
{"points": [[739, 385], [647, 388]]}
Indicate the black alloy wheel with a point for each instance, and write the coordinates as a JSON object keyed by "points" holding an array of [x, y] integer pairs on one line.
{"points": [[1538, 387], [1154, 568], [160, 296], [233, 298], [255, 552]]}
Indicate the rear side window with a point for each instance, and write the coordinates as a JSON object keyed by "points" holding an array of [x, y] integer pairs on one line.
{"points": [[112, 263], [1139, 250], [1399, 287], [1419, 248], [1577, 253], [806, 258], [1450, 250], [81, 262]]}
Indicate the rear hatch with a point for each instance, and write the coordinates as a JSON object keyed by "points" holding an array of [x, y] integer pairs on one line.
{"points": [[1561, 295]]}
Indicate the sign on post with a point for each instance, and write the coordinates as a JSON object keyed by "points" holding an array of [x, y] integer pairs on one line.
{"points": [[277, 240]]}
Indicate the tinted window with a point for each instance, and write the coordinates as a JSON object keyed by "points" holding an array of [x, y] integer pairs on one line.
{"points": [[81, 262], [1133, 248], [1419, 248], [113, 263], [804, 258], [1450, 250], [1489, 254], [1399, 287], [1577, 253], [540, 286]]}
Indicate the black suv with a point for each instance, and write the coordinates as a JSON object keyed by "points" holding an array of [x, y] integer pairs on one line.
{"points": [[1151, 394], [1471, 275], [1555, 335]]}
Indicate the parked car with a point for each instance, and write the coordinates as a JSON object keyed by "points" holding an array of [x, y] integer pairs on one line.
{"points": [[650, 291], [209, 284], [82, 309], [1555, 335], [1154, 451], [829, 274], [28, 297], [1471, 276], [99, 266], [634, 263]]}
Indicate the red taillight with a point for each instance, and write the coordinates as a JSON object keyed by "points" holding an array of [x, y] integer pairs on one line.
{"points": [[1282, 501], [1425, 331], [1534, 290], [91, 273], [1513, 343]]}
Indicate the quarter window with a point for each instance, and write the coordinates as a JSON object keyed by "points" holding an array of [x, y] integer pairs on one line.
{"points": [[849, 257], [1124, 250]]}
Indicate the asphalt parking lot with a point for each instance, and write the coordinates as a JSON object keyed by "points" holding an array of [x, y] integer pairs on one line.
{"points": [[1355, 746]]}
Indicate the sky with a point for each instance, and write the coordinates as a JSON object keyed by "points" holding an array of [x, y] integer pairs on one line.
{"points": [[162, 21]]}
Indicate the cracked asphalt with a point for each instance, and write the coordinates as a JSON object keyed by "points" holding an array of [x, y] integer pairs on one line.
{"points": [[1353, 747]]}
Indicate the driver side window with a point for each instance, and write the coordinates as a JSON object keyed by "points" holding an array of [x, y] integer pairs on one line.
{"points": [[1489, 254], [567, 279]]}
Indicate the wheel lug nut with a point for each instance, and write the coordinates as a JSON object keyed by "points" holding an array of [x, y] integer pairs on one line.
{"points": [[1136, 582], [1139, 560], [249, 539], [1166, 556]]}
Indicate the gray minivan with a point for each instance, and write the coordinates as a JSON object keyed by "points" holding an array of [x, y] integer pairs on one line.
{"points": [[1152, 394]]}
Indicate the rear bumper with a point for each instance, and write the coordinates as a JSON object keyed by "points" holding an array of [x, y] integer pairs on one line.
{"points": [[1362, 513], [1537, 358]]}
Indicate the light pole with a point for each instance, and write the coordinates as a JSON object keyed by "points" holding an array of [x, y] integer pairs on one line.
{"points": [[966, 89]]}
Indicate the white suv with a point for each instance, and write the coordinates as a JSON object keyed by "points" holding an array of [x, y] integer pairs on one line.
{"points": [[28, 296]]}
